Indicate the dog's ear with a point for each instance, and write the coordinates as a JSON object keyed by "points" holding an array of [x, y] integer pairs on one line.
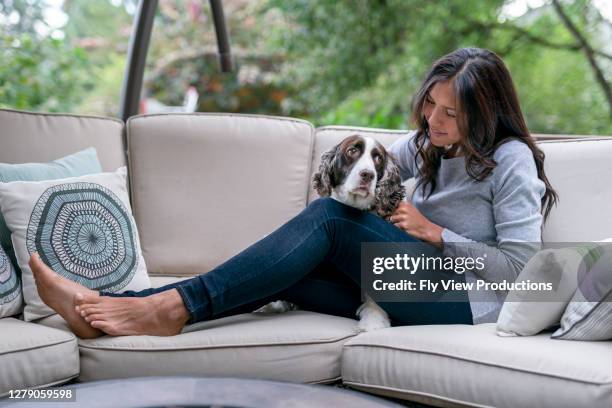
{"points": [[389, 190], [322, 181]]}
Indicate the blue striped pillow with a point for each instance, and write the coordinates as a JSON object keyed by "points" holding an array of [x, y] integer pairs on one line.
{"points": [[10, 287]]}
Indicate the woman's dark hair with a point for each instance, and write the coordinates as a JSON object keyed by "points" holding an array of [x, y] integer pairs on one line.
{"points": [[488, 115]]}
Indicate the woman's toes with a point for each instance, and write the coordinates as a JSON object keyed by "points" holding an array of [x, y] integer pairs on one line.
{"points": [[87, 310], [94, 318], [104, 326], [81, 299], [34, 261]]}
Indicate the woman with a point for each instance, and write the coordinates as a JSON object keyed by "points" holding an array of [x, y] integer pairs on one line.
{"points": [[480, 179]]}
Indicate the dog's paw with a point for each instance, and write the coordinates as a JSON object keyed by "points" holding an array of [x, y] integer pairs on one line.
{"points": [[279, 306], [372, 317], [373, 323]]}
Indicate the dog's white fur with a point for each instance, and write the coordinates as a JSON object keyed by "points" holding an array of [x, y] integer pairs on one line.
{"points": [[352, 192]]}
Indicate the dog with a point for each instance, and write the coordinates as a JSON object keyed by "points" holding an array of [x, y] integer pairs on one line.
{"points": [[358, 172]]}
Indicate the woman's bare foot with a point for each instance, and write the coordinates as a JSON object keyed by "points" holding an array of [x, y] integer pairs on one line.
{"points": [[161, 314], [59, 294]]}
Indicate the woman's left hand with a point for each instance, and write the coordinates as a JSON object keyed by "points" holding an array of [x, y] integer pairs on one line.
{"points": [[409, 219]]}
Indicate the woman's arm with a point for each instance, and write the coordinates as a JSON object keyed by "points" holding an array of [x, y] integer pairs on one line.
{"points": [[517, 193], [406, 216]]}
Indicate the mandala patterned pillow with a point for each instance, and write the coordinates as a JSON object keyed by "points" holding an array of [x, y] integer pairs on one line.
{"points": [[76, 164], [10, 287], [588, 315], [82, 227]]}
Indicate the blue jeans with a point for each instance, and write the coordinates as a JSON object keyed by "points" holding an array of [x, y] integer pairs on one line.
{"points": [[313, 261]]}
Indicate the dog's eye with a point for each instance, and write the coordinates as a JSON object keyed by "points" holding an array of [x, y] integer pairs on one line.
{"points": [[378, 159], [351, 151]]}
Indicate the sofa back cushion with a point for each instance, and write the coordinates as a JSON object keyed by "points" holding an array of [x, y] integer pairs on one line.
{"points": [[27, 137], [580, 171], [206, 186]]}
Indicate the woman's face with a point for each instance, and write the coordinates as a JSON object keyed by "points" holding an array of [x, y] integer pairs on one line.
{"points": [[439, 111]]}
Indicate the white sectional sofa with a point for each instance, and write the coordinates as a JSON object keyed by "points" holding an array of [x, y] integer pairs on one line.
{"points": [[205, 186]]}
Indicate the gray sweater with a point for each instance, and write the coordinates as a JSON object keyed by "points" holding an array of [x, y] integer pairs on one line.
{"points": [[499, 216]]}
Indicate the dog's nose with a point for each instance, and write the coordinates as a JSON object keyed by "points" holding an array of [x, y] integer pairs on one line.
{"points": [[366, 176]]}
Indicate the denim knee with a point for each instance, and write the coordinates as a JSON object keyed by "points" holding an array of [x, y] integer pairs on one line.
{"points": [[326, 207]]}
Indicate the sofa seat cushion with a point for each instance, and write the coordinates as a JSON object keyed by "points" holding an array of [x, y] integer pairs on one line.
{"points": [[159, 281], [33, 355], [296, 346], [469, 365]]}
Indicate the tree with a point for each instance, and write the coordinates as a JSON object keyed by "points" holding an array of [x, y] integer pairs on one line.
{"points": [[359, 62], [41, 74], [589, 52], [22, 17], [75, 68], [354, 62]]}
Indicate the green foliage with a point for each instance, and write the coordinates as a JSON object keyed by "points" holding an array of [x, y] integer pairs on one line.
{"points": [[350, 62], [369, 52], [103, 28], [30, 13], [97, 19], [360, 62], [43, 74], [103, 94], [183, 53], [558, 93]]}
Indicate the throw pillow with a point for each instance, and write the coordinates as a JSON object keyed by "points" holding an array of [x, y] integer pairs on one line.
{"points": [[77, 164], [525, 313], [588, 315], [10, 287], [82, 227]]}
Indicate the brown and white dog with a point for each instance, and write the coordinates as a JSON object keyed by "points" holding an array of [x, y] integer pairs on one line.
{"points": [[358, 172]]}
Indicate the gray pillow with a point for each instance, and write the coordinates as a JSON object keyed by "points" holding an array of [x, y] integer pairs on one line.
{"points": [[588, 315], [524, 315]]}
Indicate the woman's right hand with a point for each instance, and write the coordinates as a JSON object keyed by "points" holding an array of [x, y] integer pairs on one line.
{"points": [[406, 217]]}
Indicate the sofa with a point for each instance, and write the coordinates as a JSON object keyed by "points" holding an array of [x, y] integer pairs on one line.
{"points": [[205, 186]]}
